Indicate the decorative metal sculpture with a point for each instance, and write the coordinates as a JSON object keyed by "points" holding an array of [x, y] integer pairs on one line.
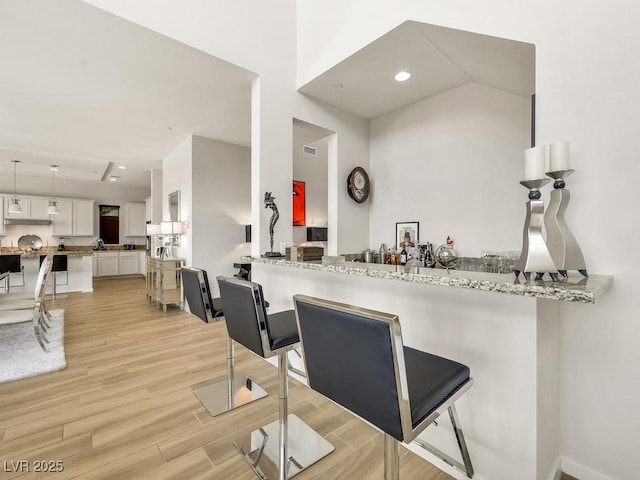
{"points": [[270, 203]]}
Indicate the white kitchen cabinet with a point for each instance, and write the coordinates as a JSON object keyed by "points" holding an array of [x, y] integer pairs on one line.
{"points": [[107, 264], [143, 262], [135, 220], [62, 223], [128, 263], [2, 202], [95, 264], [33, 208], [148, 215], [84, 214]]}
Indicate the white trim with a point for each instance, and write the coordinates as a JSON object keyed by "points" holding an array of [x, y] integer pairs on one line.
{"points": [[578, 470], [555, 472]]}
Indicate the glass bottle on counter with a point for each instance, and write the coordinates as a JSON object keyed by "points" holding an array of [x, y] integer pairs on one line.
{"points": [[403, 255], [383, 254]]}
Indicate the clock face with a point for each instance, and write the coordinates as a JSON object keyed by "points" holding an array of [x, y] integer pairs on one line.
{"points": [[358, 185]]}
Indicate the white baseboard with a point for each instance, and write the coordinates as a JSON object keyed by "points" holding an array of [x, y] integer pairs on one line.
{"points": [[555, 472], [582, 472]]}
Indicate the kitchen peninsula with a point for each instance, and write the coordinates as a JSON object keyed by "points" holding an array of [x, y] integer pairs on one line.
{"points": [[77, 278], [507, 331]]}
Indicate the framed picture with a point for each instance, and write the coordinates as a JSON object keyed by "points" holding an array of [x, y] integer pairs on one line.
{"points": [[299, 213], [407, 233]]}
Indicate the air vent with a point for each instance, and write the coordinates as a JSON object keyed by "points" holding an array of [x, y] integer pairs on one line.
{"points": [[307, 150]]}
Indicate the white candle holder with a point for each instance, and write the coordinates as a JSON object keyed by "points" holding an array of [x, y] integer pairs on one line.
{"points": [[563, 247], [535, 256]]}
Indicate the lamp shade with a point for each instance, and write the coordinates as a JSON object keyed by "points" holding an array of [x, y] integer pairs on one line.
{"points": [[171, 228], [14, 206], [153, 229], [53, 208]]}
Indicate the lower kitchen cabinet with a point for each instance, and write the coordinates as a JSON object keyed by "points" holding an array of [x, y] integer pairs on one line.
{"points": [[128, 263], [110, 263]]}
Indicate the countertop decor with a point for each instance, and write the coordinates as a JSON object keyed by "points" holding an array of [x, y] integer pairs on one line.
{"points": [[575, 288]]}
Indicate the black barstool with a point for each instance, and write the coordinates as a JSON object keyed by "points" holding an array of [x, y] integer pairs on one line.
{"points": [[298, 445], [60, 262], [237, 390], [13, 264], [356, 358]]}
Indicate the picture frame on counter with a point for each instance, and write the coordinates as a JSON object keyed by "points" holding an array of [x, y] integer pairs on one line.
{"points": [[407, 230]]}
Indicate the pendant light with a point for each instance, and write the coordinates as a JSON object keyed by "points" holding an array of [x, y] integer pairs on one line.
{"points": [[14, 203], [53, 203]]}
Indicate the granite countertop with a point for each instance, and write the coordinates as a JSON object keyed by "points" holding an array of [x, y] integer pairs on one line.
{"points": [[71, 251], [575, 288]]}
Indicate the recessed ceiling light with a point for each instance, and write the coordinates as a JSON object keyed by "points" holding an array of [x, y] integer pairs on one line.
{"points": [[113, 178], [402, 76], [53, 168], [122, 167]]}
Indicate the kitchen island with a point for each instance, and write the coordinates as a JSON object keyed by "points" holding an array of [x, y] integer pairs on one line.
{"points": [[77, 278], [507, 331]]}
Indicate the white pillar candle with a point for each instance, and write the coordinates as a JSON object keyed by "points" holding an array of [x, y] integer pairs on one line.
{"points": [[559, 156], [534, 163]]}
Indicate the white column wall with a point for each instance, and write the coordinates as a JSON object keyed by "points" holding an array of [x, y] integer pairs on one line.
{"points": [[587, 75], [221, 206], [177, 174]]}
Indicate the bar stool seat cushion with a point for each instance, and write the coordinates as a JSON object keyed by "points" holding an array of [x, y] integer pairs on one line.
{"points": [[283, 330], [430, 379]]}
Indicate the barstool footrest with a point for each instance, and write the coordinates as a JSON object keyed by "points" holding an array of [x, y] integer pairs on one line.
{"points": [[223, 396], [260, 448]]}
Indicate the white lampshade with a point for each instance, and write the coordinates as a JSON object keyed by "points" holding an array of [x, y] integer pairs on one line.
{"points": [[153, 229], [53, 208], [172, 228], [14, 206]]}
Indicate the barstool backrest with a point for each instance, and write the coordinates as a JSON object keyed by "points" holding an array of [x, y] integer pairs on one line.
{"points": [[355, 357], [46, 265], [197, 292], [245, 313]]}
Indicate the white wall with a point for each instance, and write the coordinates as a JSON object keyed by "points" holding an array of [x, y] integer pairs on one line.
{"points": [[221, 206], [586, 90], [177, 175], [452, 162]]}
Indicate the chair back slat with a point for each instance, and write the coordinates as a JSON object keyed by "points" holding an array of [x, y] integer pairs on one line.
{"points": [[350, 358], [244, 312]]}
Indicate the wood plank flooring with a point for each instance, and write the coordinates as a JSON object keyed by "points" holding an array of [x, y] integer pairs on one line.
{"points": [[124, 407]]}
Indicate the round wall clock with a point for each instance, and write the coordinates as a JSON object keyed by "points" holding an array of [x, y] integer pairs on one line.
{"points": [[358, 185]]}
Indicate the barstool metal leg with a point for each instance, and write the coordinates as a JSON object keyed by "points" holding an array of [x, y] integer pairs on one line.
{"points": [[462, 444], [391, 458], [235, 391], [298, 447]]}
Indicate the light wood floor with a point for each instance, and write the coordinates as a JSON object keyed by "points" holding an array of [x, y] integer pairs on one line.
{"points": [[124, 407]]}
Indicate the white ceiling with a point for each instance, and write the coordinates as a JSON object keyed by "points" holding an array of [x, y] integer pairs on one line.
{"points": [[438, 58], [89, 91]]}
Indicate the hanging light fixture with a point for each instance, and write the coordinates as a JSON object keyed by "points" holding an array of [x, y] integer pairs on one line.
{"points": [[14, 203], [53, 203]]}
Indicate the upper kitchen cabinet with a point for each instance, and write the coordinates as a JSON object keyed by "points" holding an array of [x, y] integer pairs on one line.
{"points": [[33, 208], [135, 220], [76, 218], [84, 218], [62, 223], [1, 215]]}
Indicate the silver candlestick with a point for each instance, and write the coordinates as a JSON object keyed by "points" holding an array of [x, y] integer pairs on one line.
{"points": [[563, 247], [535, 256]]}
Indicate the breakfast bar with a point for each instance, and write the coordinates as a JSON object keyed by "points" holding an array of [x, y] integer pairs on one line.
{"points": [[507, 331]]}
